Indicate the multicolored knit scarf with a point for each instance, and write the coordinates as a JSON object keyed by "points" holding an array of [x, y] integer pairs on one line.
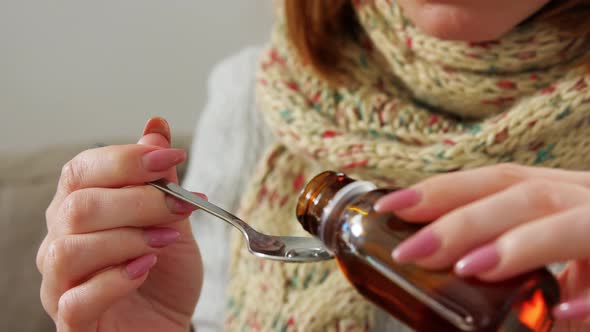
{"points": [[413, 106]]}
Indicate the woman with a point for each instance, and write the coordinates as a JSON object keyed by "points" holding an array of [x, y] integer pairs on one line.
{"points": [[394, 92]]}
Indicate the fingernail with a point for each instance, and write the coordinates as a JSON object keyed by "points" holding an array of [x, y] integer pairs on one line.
{"points": [[478, 261], [421, 245], [157, 125], [398, 200], [575, 309], [178, 206], [161, 160], [140, 266], [161, 237]]}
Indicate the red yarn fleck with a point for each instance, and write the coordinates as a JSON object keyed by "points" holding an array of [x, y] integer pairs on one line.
{"points": [[298, 182], [329, 134], [292, 86], [508, 85], [501, 136], [448, 141], [548, 90], [355, 164], [432, 120]]}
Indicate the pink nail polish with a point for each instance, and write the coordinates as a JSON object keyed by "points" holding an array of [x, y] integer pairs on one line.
{"points": [[421, 245], [398, 200], [575, 309], [161, 160], [178, 206], [161, 237], [478, 261], [157, 125], [140, 266]]}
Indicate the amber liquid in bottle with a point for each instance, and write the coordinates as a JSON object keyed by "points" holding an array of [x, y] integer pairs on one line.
{"points": [[339, 211]]}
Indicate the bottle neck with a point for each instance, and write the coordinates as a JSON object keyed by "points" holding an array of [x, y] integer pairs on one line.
{"points": [[334, 208], [323, 199], [316, 194]]}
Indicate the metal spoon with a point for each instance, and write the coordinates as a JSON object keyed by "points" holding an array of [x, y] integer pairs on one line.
{"points": [[281, 248]]}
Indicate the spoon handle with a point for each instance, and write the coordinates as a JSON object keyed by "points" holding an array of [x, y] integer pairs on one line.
{"points": [[185, 195]]}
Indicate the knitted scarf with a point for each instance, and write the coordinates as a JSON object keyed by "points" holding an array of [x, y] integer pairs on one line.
{"points": [[412, 106]]}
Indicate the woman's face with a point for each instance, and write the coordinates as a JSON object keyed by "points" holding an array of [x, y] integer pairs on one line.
{"points": [[469, 20]]}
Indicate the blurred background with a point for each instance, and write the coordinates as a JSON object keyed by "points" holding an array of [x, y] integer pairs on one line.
{"points": [[74, 73], [76, 70]]}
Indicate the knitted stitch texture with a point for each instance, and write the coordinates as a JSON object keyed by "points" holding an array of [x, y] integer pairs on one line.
{"points": [[412, 106]]}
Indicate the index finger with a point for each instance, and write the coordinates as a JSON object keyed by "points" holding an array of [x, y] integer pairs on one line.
{"points": [[114, 167], [436, 196]]}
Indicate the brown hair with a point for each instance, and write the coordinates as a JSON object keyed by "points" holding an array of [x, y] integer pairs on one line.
{"points": [[316, 28]]}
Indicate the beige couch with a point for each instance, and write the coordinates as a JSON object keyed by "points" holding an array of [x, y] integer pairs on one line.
{"points": [[27, 184]]}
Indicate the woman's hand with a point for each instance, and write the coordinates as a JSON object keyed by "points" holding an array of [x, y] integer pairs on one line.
{"points": [[500, 221], [119, 255]]}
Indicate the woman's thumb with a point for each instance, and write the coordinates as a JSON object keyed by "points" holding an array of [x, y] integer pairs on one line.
{"points": [[157, 132]]}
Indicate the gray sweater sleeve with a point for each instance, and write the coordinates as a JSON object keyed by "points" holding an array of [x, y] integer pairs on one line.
{"points": [[228, 140]]}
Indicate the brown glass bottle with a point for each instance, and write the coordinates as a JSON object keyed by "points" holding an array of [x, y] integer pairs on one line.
{"points": [[339, 211]]}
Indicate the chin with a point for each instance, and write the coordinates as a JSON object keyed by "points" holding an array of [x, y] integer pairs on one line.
{"points": [[448, 22]]}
